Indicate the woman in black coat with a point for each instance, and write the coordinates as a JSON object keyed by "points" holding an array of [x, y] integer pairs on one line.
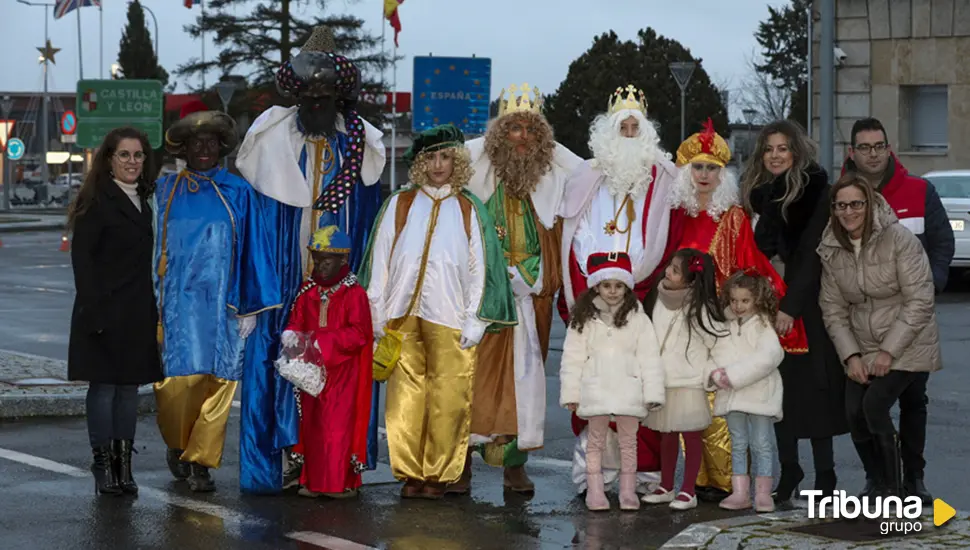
{"points": [[790, 194], [113, 326]]}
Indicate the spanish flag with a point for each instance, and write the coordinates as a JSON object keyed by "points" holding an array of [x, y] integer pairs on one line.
{"points": [[390, 13]]}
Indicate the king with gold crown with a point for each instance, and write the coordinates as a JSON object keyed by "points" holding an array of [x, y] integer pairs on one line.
{"points": [[706, 212], [520, 173], [617, 202]]}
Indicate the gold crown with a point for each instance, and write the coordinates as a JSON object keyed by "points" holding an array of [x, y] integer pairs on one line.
{"points": [[519, 103], [634, 99]]}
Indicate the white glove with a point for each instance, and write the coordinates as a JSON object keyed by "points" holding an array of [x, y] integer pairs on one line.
{"points": [[465, 343], [246, 326], [289, 339], [378, 333], [519, 287]]}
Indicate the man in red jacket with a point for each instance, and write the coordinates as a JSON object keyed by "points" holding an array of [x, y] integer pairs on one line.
{"points": [[919, 208]]}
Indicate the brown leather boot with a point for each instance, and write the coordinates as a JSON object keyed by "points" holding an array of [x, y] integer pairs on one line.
{"points": [[412, 488], [517, 480], [464, 484], [433, 490]]}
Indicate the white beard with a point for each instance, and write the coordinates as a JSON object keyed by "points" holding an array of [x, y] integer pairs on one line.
{"points": [[626, 162]]}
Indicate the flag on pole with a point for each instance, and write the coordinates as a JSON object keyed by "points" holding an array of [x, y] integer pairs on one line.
{"points": [[190, 3], [390, 13], [64, 7]]}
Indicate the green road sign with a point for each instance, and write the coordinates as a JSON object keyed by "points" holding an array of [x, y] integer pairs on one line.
{"points": [[103, 105]]}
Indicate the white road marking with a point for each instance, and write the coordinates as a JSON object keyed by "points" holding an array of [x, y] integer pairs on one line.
{"points": [[533, 459], [550, 462], [227, 515], [326, 541], [43, 463]]}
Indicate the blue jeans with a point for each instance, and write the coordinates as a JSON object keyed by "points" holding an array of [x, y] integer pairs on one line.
{"points": [[112, 411], [754, 432]]}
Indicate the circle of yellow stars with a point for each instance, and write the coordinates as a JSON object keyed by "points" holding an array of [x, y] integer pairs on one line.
{"points": [[466, 72]]}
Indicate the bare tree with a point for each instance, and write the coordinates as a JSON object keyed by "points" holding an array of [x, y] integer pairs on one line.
{"points": [[761, 92]]}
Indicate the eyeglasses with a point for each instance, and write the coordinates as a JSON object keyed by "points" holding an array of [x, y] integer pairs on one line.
{"points": [[854, 205], [869, 148], [125, 156]]}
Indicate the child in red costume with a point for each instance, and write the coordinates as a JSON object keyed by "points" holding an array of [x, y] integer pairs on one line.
{"points": [[333, 310]]}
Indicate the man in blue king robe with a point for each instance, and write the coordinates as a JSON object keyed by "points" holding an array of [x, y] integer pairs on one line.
{"points": [[215, 278], [315, 164]]}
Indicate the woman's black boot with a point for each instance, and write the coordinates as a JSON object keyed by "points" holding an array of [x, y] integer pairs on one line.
{"points": [[826, 481], [870, 457], [105, 479], [122, 459], [791, 476], [889, 449]]}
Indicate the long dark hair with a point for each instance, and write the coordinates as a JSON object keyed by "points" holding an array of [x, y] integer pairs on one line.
{"points": [[100, 172], [804, 154], [584, 309], [702, 302]]}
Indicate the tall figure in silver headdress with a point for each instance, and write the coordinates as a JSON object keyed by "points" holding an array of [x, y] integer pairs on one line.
{"points": [[315, 164]]}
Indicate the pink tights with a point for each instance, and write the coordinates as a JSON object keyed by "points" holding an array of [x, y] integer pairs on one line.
{"points": [[626, 430], [669, 447]]}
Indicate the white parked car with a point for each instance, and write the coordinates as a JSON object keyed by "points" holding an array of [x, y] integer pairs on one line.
{"points": [[953, 186]]}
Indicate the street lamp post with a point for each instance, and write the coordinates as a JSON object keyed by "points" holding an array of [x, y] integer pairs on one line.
{"points": [[682, 71], [150, 12], [749, 115], [6, 105], [45, 125]]}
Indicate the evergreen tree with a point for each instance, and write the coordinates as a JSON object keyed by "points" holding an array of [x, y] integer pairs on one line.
{"points": [[136, 55], [256, 36], [783, 38], [612, 63]]}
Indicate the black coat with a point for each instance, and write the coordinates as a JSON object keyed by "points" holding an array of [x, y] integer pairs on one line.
{"points": [[814, 383], [113, 326]]}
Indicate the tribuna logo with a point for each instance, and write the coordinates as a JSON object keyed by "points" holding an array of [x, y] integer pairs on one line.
{"points": [[897, 514]]}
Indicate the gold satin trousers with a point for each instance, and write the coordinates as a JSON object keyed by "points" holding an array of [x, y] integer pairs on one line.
{"points": [[428, 404], [716, 453], [192, 415]]}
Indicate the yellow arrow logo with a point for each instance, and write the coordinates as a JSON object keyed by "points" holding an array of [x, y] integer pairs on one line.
{"points": [[942, 512]]}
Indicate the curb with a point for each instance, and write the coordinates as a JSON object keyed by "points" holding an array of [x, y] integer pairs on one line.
{"points": [[27, 228], [769, 530], [64, 404]]}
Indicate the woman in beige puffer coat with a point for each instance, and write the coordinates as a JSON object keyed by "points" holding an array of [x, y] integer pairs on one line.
{"points": [[877, 300]]}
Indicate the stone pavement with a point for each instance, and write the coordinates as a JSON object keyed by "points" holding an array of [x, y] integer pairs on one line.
{"points": [[792, 529], [31, 385]]}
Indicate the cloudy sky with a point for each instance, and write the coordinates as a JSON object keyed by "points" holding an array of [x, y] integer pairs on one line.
{"points": [[528, 41]]}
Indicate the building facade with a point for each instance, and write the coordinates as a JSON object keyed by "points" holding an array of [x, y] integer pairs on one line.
{"points": [[907, 63]]}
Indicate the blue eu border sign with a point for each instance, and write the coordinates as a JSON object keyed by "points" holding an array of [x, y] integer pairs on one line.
{"points": [[451, 90]]}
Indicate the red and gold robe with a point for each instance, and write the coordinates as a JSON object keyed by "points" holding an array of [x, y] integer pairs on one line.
{"points": [[333, 425]]}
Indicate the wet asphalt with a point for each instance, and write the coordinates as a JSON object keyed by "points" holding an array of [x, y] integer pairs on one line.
{"points": [[49, 501]]}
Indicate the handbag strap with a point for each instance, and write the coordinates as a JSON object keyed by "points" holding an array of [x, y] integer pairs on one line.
{"points": [[670, 327]]}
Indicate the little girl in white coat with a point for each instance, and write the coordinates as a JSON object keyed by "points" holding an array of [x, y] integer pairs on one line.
{"points": [[610, 367], [689, 321], [749, 387]]}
